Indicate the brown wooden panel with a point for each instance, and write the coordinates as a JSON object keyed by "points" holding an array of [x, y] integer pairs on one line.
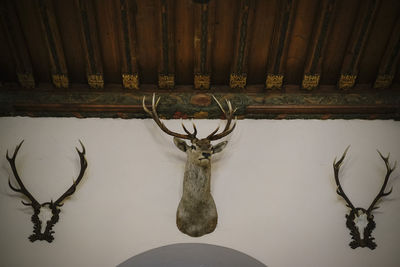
{"points": [[322, 28], [90, 43], [356, 46], [31, 28], [341, 31], [261, 35], [299, 40], [204, 17], [277, 57], [67, 15], [377, 43], [126, 10], [7, 65], [148, 40], [244, 21], [184, 31], [166, 69], [107, 26], [14, 46], [224, 33], [53, 43]]}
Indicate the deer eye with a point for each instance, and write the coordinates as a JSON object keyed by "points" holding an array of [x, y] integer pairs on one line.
{"points": [[193, 147]]}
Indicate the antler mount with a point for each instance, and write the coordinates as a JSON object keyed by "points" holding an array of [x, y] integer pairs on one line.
{"points": [[47, 234], [360, 221]]}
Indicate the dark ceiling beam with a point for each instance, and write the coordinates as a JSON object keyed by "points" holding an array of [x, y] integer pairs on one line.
{"points": [[390, 60], [356, 46], [238, 76], [322, 28], [204, 19], [166, 69], [127, 34], [277, 55], [54, 45], [184, 102], [17, 44], [90, 43]]}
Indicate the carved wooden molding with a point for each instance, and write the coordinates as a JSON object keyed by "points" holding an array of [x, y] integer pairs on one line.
{"points": [[323, 25], [326, 103], [238, 75], [204, 17], [274, 81], [166, 67], [237, 80], [130, 81], [127, 34], [90, 43], [280, 43], [95, 80], [54, 45], [166, 81]]}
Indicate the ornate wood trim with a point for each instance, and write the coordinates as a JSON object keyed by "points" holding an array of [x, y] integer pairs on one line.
{"points": [[53, 43], [323, 25], [279, 44], [79, 101], [238, 75], [127, 34], [356, 46], [204, 17], [17, 44], [90, 43], [390, 60]]}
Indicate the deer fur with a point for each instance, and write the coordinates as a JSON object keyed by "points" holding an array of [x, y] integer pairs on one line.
{"points": [[197, 213]]}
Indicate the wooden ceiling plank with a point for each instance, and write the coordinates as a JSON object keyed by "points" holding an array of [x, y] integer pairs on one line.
{"points": [[277, 55], [90, 42], [166, 69], [128, 37], [356, 46], [17, 44], [204, 16], [390, 60], [54, 45], [239, 67], [322, 28]]}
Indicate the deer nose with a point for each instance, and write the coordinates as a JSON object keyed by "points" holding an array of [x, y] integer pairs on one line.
{"points": [[206, 155]]}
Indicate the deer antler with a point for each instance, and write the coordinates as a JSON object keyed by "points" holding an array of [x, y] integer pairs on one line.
{"points": [[72, 188], [228, 115], [154, 115], [22, 189], [382, 192], [339, 191]]}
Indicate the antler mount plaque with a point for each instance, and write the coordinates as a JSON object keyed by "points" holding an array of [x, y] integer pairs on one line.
{"points": [[40, 232]]}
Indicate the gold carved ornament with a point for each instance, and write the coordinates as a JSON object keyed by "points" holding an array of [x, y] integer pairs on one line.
{"points": [[130, 81]]}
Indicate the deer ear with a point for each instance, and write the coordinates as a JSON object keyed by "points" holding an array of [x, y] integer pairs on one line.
{"points": [[180, 144], [219, 147]]}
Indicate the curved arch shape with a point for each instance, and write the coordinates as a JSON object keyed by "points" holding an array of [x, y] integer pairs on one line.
{"points": [[191, 255]]}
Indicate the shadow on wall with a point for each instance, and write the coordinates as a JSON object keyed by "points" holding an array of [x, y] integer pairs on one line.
{"points": [[192, 255]]}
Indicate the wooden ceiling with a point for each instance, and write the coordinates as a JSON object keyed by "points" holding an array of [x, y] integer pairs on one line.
{"points": [[272, 59]]}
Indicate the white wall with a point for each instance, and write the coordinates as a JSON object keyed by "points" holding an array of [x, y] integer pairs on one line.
{"points": [[273, 186]]}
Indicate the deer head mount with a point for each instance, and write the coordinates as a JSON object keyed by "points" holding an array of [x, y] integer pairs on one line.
{"points": [[196, 214], [40, 232], [360, 221]]}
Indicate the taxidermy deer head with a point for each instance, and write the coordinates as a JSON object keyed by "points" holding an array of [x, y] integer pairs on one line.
{"points": [[40, 232], [360, 221], [196, 214]]}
